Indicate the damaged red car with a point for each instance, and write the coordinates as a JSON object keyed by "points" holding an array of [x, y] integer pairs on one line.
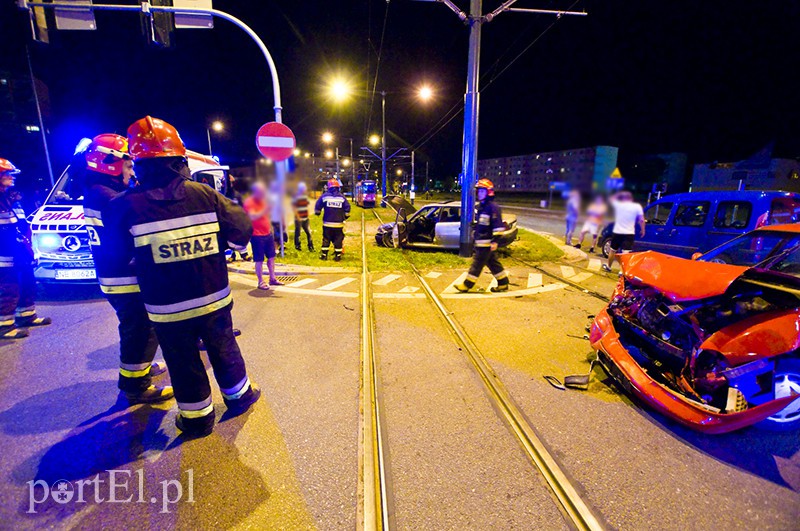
{"points": [[713, 346]]}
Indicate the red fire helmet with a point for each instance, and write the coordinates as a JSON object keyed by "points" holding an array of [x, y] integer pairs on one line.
{"points": [[487, 184], [151, 137], [106, 154], [7, 167]]}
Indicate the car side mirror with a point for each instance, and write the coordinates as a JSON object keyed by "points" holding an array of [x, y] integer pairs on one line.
{"points": [[695, 256]]}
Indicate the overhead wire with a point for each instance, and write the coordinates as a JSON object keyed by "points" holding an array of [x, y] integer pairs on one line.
{"points": [[377, 67]]}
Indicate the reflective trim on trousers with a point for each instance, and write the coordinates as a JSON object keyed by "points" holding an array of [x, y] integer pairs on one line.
{"points": [[193, 410], [176, 234], [94, 222], [501, 274], [472, 278], [333, 224], [6, 261], [483, 243], [6, 320], [188, 309], [175, 223], [26, 312], [115, 285], [134, 370], [8, 220], [237, 390]]}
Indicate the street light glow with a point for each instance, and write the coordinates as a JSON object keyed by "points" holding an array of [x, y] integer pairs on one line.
{"points": [[374, 140], [327, 137], [307, 154], [425, 93], [346, 162], [297, 152], [217, 126], [399, 171], [328, 153], [339, 89]]}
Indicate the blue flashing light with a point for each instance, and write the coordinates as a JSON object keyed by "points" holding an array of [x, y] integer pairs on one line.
{"points": [[49, 241], [82, 145]]}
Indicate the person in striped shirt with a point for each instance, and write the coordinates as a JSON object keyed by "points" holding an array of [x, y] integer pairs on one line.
{"points": [[300, 203]]}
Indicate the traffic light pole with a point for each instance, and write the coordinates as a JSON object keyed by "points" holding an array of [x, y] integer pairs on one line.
{"points": [[383, 148], [147, 8]]}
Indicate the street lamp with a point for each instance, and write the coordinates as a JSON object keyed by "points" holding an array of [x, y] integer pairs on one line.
{"points": [[327, 137], [374, 140], [339, 89], [218, 127], [425, 93], [328, 153]]}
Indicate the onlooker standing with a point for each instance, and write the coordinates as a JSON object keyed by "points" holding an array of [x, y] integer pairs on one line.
{"points": [[627, 216], [276, 214], [595, 217], [300, 204], [571, 217], [262, 242]]}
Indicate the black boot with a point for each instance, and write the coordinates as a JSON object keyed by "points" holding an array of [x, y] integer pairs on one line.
{"points": [[151, 395], [24, 322], [323, 255], [337, 257], [13, 332], [243, 403], [195, 427]]}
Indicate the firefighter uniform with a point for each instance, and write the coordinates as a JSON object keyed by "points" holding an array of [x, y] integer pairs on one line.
{"points": [[17, 283], [488, 226], [177, 231], [336, 211], [108, 171]]}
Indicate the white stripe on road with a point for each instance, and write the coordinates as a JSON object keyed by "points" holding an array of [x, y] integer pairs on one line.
{"points": [[337, 284], [301, 283], [594, 264], [250, 280], [433, 274], [567, 271], [399, 295], [451, 288], [386, 280], [510, 293], [492, 284], [580, 277], [535, 280], [409, 289]]}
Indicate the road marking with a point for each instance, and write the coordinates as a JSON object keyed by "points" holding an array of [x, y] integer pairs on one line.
{"points": [[337, 284], [250, 280], [452, 287], [514, 293], [492, 284], [409, 289], [580, 277], [535, 280], [398, 295], [301, 283], [594, 264], [386, 280], [567, 271], [433, 274]]}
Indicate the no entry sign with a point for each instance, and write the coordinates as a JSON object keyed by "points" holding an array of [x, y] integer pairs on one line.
{"points": [[275, 141]]}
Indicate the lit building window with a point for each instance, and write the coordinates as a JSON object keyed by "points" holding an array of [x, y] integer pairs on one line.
{"points": [[32, 128]]}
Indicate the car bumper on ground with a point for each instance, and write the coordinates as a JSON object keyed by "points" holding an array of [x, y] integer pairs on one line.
{"points": [[634, 379]]}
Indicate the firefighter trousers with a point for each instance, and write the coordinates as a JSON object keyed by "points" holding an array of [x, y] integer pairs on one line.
{"points": [[137, 341], [17, 289], [482, 257], [334, 235], [186, 368]]}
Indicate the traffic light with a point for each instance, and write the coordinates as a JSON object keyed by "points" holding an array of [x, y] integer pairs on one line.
{"points": [[158, 28]]}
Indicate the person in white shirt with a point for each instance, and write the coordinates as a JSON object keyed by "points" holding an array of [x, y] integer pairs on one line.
{"points": [[628, 215]]}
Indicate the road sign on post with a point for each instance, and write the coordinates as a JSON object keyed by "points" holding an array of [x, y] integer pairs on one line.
{"points": [[275, 141]]}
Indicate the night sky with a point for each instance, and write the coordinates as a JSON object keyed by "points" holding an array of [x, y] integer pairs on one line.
{"points": [[716, 79]]}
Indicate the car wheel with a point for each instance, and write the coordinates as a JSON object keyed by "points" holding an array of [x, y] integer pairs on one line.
{"points": [[786, 382], [387, 239], [606, 247]]}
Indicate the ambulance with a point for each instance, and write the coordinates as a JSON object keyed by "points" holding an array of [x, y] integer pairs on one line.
{"points": [[59, 237]]}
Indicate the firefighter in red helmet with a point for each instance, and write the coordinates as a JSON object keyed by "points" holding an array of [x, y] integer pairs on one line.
{"points": [[488, 225], [17, 283], [177, 231], [109, 171], [337, 210]]}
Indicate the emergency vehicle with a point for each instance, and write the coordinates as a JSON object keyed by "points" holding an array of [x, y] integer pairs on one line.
{"points": [[59, 236]]}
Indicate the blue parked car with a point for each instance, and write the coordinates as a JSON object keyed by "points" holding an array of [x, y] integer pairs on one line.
{"points": [[684, 224]]}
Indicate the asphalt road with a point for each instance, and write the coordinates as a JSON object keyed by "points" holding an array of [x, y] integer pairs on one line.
{"points": [[292, 462]]}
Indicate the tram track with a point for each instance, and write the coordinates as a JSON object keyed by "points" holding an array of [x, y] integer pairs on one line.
{"points": [[575, 510]]}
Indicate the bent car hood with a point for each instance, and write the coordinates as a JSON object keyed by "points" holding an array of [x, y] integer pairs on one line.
{"points": [[677, 278]]}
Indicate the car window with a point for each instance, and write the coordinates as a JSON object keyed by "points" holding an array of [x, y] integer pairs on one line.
{"points": [[429, 212], [789, 264], [751, 248], [733, 215], [450, 214], [658, 214], [691, 214], [68, 189], [784, 210]]}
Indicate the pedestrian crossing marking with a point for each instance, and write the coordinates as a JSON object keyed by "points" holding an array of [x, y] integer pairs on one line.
{"points": [[505, 294], [452, 287], [300, 283], [594, 264], [386, 280], [433, 274], [493, 283], [580, 277], [409, 289], [535, 280], [567, 271], [337, 284]]}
